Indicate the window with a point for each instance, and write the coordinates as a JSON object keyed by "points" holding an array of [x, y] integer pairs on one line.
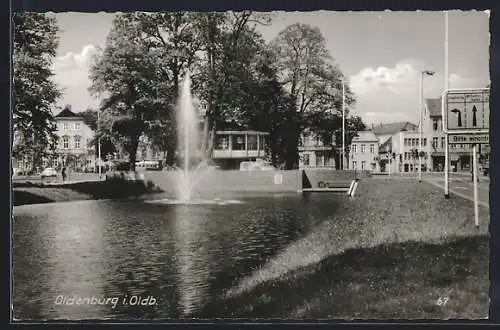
{"points": [[435, 125], [434, 142], [238, 142], [363, 148], [262, 142], [372, 148], [354, 164], [442, 142], [405, 142], [77, 126], [354, 149], [424, 142], [65, 126], [65, 142], [252, 142], [305, 159], [363, 165], [222, 142], [77, 142], [318, 141]]}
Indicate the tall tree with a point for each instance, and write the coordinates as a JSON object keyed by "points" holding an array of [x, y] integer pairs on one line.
{"points": [[314, 82], [171, 38], [130, 75], [228, 43], [34, 93]]}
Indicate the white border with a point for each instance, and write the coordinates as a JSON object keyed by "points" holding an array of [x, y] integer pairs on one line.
{"points": [[444, 113]]}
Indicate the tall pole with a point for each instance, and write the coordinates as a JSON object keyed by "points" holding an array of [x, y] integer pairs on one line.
{"points": [[99, 134], [343, 124], [446, 86], [474, 177], [421, 93]]}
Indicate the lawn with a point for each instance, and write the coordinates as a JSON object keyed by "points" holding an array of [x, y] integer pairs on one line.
{"points": [[392, 281], [390, 252]]}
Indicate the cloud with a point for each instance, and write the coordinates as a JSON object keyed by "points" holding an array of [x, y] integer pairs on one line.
{"points": [[71, 73], [389, 94], [72, 60]]}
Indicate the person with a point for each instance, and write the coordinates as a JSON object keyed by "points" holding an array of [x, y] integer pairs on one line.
{"points": [[63, 173]]}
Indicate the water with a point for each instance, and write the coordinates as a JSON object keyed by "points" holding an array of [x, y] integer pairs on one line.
{"points": [[181, 259], [187, 124]]}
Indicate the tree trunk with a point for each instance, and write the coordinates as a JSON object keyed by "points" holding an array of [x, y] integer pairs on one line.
{"points": [[133, 152]]}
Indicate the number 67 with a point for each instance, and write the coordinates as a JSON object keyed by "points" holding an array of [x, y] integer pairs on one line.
{"points": [[442, 301]]}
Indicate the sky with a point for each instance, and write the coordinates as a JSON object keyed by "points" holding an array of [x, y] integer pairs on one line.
{"points": [[381, 53]]}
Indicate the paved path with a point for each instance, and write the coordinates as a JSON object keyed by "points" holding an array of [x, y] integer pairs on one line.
{"points": [[462, 185]]}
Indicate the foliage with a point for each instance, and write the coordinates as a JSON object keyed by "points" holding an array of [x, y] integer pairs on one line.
{"points": [[34, 93], [90, 118], [305, 68], [129, 73]]}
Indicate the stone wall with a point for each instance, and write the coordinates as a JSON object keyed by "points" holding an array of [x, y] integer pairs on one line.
{"points": [[258, 181]]}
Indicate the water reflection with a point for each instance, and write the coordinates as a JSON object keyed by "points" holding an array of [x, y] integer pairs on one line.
{"points": [[184, 258]]}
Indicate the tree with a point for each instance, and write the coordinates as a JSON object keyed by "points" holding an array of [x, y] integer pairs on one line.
{"points": [[34, 93], [171, 39], [315, 84], [130, 74], [107, 145], [229, 43]]}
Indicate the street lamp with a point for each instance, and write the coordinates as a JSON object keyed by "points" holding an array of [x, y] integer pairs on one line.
{"points": [[343, 124], [421, 101], [99, 134]]}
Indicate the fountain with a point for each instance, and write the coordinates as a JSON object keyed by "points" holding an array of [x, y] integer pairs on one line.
{"points": [[187, 125], [195, 168]]}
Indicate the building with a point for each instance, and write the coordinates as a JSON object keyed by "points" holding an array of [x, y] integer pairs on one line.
{"points": [[313, 152], [384, 131], [235, 144], [74, 149], [405, 150], [364, 152], [399, 142], [432, 128], [147, 152]]}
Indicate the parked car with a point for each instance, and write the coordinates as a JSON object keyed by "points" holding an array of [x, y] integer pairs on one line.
{"points": [[49, 172], [256, 166]]}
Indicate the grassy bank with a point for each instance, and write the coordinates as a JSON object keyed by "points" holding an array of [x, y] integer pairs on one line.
{"points": [[390, 252], [407, 280], [35, 193]]}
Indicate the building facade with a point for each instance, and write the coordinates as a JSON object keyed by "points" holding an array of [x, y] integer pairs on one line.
{"points": [[313, 152], [364, 152], [74, 147]]}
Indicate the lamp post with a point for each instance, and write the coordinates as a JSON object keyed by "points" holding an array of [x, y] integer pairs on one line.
{"points": [[98, 136], [343, 124], [446, 86], [420, 131]]}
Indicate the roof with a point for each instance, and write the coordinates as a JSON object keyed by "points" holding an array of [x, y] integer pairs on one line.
{"points": [[386, 146], [393, 128], [434, 107], [67, 113], [365, 136]]}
